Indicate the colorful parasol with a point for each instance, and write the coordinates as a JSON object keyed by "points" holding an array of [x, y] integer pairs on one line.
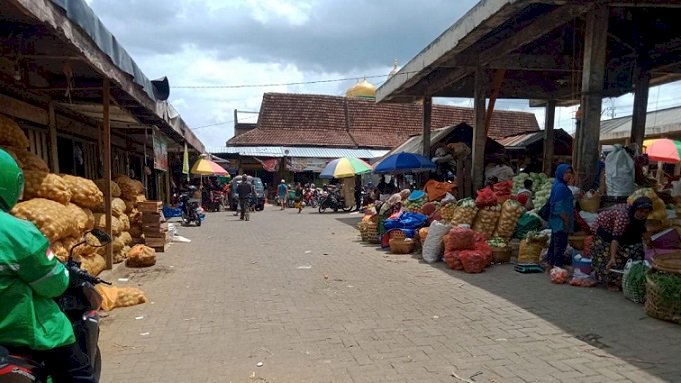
{"points": [[404, 162], [663, 150], [208, 168], [345, 167]]}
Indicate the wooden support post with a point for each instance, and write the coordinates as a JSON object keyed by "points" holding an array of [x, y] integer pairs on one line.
{"points": [[479, 137], [595, 47], [427, 114], [52, 131], [106, 125], [549, 122], [638, 118]]}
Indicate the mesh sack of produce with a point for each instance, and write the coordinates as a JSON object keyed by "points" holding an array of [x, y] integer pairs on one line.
{"points": [[465, 212], [423, 234], [135, 230], [486, 220], [125, 222], [559, 275], [453, 260], [126, 237], [140, 198], [447, 211], [51, 218], [100, 222], [84, 192], [31, 161], [129, 188], [118, 207], [459, 238], [530, 252], [129, 206], [90, 219], [113, 297], [79, 216], [12, 135], [122, 255], [511, 211], [93, 264], [83, 249], [473, 261], [117, 244], [486, 197], [13, 153], [486, 250], [115, 189], [41, 184], [141, 256], [59, 250]]}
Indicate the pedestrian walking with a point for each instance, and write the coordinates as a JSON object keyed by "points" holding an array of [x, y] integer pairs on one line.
{"points": [[282, 191], [299, 198], [560, 215], [246, 190]]}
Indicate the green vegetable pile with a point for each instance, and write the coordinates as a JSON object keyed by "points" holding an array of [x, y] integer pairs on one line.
{"points": [[466, 202], [541, 187], [634, 282], [497, 242], [668, 286]]}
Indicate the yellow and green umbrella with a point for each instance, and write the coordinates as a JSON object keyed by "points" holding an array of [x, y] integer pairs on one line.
{"points": [[345, 167]]}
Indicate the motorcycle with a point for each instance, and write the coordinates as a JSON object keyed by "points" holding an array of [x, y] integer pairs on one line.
{"points": [[310, 197], [216, 201], [333, 200], [190, 209], [80, 303]]}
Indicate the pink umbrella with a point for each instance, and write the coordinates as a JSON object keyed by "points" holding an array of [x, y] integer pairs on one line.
{"points": [[663, 150]]}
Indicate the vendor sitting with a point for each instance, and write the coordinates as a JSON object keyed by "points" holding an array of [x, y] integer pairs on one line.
{"points": [[619, 237], [524, 195]]}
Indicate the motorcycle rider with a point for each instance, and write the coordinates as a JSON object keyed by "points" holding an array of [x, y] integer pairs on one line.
{"points": [[30, 278], [245, 189]]}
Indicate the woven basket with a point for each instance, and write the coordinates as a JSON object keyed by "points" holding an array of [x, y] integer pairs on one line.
{"points": [[397, 234], [371, 233], [501, 254], [670, 262], [657, 307], [590, 204], [401, 246]]}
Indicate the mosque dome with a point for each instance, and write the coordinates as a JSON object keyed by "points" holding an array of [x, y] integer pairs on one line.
{"points": [[363, 89]]}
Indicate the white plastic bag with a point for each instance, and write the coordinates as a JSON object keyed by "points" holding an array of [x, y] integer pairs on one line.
{"points": [[433, 248], [619, 173]]}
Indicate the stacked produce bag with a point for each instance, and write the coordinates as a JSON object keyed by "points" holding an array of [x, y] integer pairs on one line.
{"points": [[466, 250]]}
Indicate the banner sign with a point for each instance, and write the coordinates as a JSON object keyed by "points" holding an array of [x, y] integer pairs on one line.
{"points": [[160, 153], [298, 165]]}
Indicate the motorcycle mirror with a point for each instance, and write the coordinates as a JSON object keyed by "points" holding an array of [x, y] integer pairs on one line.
{"points": [[97, 238]]}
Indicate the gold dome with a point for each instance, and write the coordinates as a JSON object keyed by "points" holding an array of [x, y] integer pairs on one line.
{"points": [[363, 89]]}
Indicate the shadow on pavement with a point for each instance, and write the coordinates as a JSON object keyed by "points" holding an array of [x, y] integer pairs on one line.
{"points": [[352, 220], [601, 318]]}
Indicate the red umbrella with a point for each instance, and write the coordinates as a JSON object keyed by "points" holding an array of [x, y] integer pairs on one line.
{"points": [[663, 150]]}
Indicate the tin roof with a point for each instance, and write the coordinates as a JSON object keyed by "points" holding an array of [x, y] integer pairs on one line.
{"points": [[300, 152]]}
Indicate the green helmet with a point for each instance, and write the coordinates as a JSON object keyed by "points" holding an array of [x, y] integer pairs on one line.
{"points": [[11, 181]]}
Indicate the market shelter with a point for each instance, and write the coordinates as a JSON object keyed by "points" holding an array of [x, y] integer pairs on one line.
{"points": [[563, 53], [83, 104]]}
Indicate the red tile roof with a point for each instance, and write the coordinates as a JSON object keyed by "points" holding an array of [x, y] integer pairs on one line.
{"points": [[334, 121]]}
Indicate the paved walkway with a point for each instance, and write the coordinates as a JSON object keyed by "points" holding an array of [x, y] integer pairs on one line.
{"points": [[301, 295]]}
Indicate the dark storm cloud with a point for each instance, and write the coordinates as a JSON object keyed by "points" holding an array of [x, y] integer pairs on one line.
{"points": [[339, 36]]}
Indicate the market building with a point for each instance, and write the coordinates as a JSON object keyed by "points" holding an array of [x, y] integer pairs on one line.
{"points": [[297, 134], [85, 106]]}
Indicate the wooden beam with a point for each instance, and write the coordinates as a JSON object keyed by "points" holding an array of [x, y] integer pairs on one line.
{"points": [[638, 117], [52, 131], [496, 88], [19, 109], [532, 31], [427, 116], [549, 123], [595, 48], [479, 136], [106, 150]]}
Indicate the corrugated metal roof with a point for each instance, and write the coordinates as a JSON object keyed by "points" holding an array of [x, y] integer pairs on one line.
{"points": [[521, 140], [415, 143], [301, 152], [658, 123]]}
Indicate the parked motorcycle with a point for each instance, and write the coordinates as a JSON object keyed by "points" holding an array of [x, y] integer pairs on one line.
{"points": [[80, 304], [190, 209], [310, 197], [216, 201], [333, 200]]}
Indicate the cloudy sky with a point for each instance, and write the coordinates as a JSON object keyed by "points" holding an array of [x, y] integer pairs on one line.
{"points": [[246, 42]]}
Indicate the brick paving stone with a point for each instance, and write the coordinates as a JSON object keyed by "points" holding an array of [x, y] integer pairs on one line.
{"points": [[237, 295]]}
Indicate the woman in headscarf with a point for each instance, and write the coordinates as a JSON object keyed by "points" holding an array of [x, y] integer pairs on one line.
{"points": [[619, 237], [561, 205]]}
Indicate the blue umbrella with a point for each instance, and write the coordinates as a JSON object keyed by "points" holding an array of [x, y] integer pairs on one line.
{"points": [[403, 163]]}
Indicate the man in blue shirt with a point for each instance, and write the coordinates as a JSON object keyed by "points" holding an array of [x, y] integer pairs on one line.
{"points": [[282, 191]]}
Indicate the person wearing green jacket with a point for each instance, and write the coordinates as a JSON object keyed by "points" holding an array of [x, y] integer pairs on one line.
{"points": [[30, 278]]}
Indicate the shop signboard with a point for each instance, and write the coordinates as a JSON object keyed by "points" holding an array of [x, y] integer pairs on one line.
{"points": [[160, 154], [298, 165]]}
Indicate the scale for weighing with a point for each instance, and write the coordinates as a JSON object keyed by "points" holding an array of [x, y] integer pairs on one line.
{"points": [[526, 268]]}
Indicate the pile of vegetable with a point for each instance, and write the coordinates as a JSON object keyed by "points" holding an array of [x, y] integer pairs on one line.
{"points": [[486, 220], [511, 211], [541, 187], [497, 242], [447, 211], [668, 287]]}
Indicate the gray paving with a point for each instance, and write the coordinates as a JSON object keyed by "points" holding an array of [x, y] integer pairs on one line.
{"points": [[300, 294]]}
